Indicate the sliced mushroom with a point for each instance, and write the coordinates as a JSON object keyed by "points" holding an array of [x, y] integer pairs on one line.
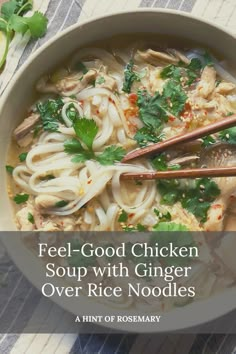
{"points": [[26, 126]]}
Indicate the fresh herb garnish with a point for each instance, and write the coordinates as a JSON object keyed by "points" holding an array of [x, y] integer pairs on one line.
{"points": [[81, 67], [72, 113], [22, 157], [61, 204], [11, 21], [21, 198], [145, 136], [159, 163], [161, 216], [30, 218], [100, 80], [50, 113], [228, 135], [86, 130], [208, 141], [169, 226], [9, 169], [110, 155], [138, 227], [195, 197], [176, 72], [130, 77], [123, 216]]}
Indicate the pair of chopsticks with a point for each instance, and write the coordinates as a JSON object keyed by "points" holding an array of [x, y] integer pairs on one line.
{"points": [[177, 140]]}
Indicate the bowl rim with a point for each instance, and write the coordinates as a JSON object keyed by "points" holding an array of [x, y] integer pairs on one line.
{"points": [[205, 304]]}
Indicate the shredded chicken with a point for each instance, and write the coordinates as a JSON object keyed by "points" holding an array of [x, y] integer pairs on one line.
{"points": [[225, 87], [66, 84], [22, 219], [207, 83]]}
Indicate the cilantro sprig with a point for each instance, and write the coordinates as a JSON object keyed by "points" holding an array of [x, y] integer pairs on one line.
{"points": [[82, 146], [12, 21], [130, 76]]}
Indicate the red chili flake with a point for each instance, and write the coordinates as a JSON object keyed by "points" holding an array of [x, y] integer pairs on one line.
{"points": [[171, 119], [89, 181], [111, 100], [81, 102], [133, 98], [131, 215], [97, 111], [219, 217]]}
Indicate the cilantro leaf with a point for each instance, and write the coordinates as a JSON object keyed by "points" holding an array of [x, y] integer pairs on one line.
{"points": [[31, 218], [21, 198], [169, 226], [159, 163], [61, 204], [196, 198], [151, 111], [161, 216], [11, 20], [83, 156], [110, 155], [208, 141], [73, 146], [138, 227], [9, 169], [171, 72], [81, 67], [130, 77], [36, 24], [176, 72], [145, 136], [22, 157], [100, 80], [174, 93], [8, 9], [86, 130], [123, 216], [154, 110], [50, 113], [228, 135]]}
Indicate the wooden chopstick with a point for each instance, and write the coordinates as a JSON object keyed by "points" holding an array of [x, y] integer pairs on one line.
{"points": [[183, 138], [188, 173]]}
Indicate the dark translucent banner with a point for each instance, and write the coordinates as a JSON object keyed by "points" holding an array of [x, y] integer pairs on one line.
{"points": [[123, 281]]}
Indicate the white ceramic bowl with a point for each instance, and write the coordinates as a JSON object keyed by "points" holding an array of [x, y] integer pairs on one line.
{"points": [[18, 96]]}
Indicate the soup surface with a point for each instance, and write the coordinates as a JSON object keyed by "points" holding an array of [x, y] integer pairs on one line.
{"points": [[104, 102]]}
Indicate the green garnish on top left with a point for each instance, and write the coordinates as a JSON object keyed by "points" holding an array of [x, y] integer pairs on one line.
{"points": [[12, 21]]}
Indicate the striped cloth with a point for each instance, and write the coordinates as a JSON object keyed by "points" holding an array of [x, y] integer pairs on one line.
{"points": [[61, 14]]}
